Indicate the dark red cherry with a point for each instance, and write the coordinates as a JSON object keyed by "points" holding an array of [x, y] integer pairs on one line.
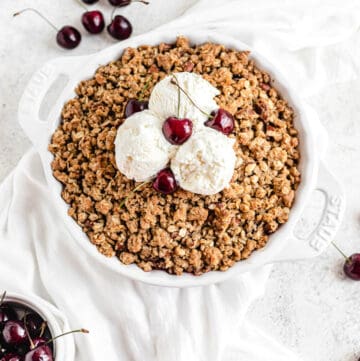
{"points": [[22, 349], [39, 341], [41, 353], [126, 2], [93, 21], [47, 334], [135, 106], [165, 182], [177, 131], [34, 324], [90, 2], [7, 313], [68, 37], [222, 121], [352, 267], [14, 333], [120, 28], [11, 357]]}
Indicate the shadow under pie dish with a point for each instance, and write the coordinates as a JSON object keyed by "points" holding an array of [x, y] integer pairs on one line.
{"points": [[182, 231]]}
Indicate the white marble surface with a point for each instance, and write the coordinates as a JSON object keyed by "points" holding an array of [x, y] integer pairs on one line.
{"points": [[308, 306]]}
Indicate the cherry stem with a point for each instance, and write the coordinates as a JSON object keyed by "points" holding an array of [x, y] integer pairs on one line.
{"points": [[145, 87], [112, 14], [132, 1], [32, 346], [82, 330], [43, 328], [179, 99], [141, 1], [344, 255], [2, 298], [176, 82], [38, 13], [133, 191], [82, 5]]}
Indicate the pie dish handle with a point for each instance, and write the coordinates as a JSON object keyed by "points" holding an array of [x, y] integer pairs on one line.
{"points": [[328, 225], [35, 93]]}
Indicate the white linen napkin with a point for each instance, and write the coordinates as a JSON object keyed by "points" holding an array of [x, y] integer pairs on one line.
{"points": [[131, 321], [128, 320]]}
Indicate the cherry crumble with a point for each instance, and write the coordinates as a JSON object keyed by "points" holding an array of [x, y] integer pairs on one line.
{"points": [[182, 231]]}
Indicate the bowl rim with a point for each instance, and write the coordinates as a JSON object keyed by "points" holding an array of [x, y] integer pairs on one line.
{"points": [[309, 162]]}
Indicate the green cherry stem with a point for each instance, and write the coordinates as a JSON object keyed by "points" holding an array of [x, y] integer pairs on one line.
{"points": [[112, 14], [82, 330], [133, 1], [131, 192], [176, 82], [82, 5], [43, 328], [39, 13], [145, 88], [32, 346], [339, 250], [178, 107]]}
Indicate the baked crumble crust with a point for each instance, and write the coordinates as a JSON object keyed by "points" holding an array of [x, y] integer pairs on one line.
{"points": [[180, 232]]}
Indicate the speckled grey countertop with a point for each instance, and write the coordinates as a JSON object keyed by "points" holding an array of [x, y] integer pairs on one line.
{"points": [[308, 306]]}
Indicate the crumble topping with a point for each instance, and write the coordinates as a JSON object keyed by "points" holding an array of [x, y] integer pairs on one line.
{"points": [[180, 232]]}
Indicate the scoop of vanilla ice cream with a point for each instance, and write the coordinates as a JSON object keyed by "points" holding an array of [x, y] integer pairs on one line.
{"points": [[164, 98], [141, 149], [205, 163]]}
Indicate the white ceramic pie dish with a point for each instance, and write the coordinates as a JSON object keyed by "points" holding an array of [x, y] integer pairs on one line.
{"points": [[282, 245]]}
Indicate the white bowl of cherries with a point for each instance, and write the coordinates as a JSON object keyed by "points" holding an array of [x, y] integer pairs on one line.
{"points": [[31, 329]]}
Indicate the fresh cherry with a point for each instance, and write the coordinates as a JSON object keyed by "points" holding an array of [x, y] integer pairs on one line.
{"points": [[67, 37], [177, 131], [41, 353], [135, 106], [34, 324], [352, 267], [120, 28], [165, 182], [352, 264], [222, 121], [22, 349], [14, 333], [39, 341], [46, 335], [11, 357], [126, 2], [7, 313], [90, 2], [93, 21]]}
